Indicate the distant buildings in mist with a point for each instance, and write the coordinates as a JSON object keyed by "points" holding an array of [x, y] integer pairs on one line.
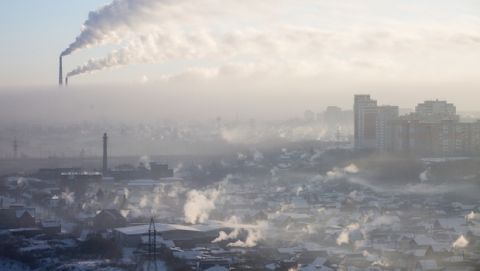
{"points": [[335, 122], [433, 130], [332, 116]]}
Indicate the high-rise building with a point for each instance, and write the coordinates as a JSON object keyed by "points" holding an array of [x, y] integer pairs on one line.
{"points": [[434, 130], [383, 130], [371, 123], [435, 111], [365, 111]]}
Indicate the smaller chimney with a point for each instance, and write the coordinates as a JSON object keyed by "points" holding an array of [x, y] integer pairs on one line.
{"points": [[66, 80], [60, 71], [105, 158]]}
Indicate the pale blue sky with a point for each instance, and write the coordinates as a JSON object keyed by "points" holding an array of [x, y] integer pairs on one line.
{"points": [[33, 33]]}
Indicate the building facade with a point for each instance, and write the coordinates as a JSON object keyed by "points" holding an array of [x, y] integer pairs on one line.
{"points": [[365, 110], [371, 123], [433, 130]]}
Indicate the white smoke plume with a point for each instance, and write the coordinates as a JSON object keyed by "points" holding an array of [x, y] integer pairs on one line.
{"points": [[241, 156], [143, 201], [69, 197], [199, 205], [257, 156], [356, 196], [110, 22], [340, 173], [352, 169], [472, 216], [223, 236], [383, 220], [125, 213], [351, 233], [426, 175], [255, 233], [299, 190], [461, 242], [155, 31], [253, 236], [21, 182], [145, 161], [235, 223]]}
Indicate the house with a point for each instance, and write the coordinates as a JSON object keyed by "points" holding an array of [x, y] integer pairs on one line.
{"points": [[50, 226], [317, 265], [407, 243], [108, 219], [17, 216], [424, 265]]}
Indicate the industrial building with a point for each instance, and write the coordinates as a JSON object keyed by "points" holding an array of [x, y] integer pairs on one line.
{"points": [[152, 170], [181, 235]]}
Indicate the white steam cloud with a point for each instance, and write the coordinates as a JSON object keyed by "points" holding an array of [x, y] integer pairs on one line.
{"points": [[108, 23], [254, 235], [223, 236], [145, 162], [461, 242], [349, 234], [426, 175], [199, 205], [252, 35], [472, 216], [341, 173], [69, 197]]}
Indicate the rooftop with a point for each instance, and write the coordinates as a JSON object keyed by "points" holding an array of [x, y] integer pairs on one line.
{"points": [[143, 229]]}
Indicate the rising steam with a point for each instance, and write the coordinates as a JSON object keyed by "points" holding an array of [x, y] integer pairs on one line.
{"points": [[461, 242], [199, 205], [255, 233], [350, 233]]}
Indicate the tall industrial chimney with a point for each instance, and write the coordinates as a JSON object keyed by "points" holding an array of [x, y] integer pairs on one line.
{"points": [[105, 161], [60, 72]]}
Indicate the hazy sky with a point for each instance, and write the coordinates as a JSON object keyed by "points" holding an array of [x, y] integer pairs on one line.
{"points": [[357, 46]]}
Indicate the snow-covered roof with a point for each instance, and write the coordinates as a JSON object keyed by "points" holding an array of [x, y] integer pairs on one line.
{"points": [[159, 240], [20, 212], [290, 250], [188, 255], [316, 265], [159, 227], [217, 268], [142, 182], [424, 240], [428, 264], [50, 223], [457, 223]]}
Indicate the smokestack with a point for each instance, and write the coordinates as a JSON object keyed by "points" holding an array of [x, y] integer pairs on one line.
{"points": [[105, 161], [66, 80], [60, 72]]}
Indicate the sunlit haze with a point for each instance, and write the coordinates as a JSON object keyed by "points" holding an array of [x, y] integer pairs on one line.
{"points": [[290, 135]]}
